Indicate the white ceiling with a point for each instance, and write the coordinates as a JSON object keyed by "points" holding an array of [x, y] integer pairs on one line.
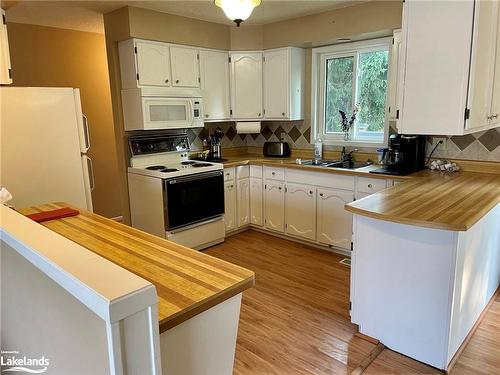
{"points": [[87, 15]]}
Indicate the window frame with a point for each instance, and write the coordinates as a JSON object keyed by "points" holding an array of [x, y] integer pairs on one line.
{"points": [[320, 56]]}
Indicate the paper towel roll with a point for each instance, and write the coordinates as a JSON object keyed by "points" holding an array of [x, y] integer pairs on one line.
{"points": [[248, 127]]}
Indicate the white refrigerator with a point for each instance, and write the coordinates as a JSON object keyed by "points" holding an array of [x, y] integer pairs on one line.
{"points": [[44, 140]]}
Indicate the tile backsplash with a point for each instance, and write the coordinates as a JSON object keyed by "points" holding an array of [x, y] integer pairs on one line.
{"points": [[478, 146]]}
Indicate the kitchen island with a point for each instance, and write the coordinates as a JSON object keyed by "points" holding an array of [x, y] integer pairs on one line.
{"points": [[426, 262], [199, 296]]}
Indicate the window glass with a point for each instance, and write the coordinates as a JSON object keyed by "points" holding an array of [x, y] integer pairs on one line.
{"points": [[338, 91]]}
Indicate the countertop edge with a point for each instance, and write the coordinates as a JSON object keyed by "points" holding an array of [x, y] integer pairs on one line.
{"points": [[198, 308], [417, 223]]}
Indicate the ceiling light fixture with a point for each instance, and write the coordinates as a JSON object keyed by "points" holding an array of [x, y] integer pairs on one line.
{"points": [[237, 10]]}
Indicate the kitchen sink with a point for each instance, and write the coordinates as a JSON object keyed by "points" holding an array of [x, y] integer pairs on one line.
{"points": [[336, 164], [351, 165]]}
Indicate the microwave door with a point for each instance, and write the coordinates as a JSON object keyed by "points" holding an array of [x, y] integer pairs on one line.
{"points": [[166, 113]]}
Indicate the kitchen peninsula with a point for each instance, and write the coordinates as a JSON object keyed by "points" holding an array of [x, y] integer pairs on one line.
{"points": [[198, 296], [426, 262]]}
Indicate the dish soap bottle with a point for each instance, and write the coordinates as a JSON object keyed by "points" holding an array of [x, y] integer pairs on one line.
{"points": [[318, 149]]}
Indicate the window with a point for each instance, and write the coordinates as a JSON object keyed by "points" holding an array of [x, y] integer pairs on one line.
{"points": [[349, 76]]}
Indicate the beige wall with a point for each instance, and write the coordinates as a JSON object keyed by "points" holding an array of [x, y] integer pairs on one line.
{"points": [[46, 56], [371, 19], [148, 24]]}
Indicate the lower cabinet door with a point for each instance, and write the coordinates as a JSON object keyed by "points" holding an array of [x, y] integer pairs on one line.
{"points": [[300, 207], [256, 201], [230, 206], [334, 222], [274, 206], [243, 199]]}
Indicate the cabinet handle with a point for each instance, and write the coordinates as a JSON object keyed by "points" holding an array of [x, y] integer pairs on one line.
{"points": [[176, 81], [206, 115], [259, 114], [310, 192], [320, 194], [279, 188], [283, 113], [370, 186], [166, 81]]}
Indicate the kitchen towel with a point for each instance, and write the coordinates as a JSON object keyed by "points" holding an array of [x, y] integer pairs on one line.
{"points": [[248, 127], [53, 215]]}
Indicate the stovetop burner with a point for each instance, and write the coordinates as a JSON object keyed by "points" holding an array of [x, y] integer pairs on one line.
{"points": [[156, 167], [188, 162], [167, 170], [200, 165]]}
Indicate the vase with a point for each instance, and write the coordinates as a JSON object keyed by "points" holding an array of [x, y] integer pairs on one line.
{"points": [[347, 136]]}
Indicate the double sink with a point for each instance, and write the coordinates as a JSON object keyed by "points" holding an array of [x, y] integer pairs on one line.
{"points": [[347, 164]]}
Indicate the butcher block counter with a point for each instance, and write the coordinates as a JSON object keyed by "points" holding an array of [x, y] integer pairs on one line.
{"points": [[436, 200], [187, 282]]}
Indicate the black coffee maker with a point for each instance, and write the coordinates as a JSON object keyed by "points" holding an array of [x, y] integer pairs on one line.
{"points": [[405, 155]]}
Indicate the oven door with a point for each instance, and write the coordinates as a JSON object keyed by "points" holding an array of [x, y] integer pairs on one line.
{"points": [[193, 199], [167, 113]]}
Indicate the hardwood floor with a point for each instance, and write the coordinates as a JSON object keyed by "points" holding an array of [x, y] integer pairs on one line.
{"points": [[296, 318]]}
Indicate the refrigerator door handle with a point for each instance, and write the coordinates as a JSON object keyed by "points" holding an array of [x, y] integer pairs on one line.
{"points": [[86, 132], [91, 173]]}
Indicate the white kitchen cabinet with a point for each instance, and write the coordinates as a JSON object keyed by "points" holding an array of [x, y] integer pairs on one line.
{"points": [[394, 71], [243, 201], [153, 64], [246, 85], [445, 89], [334, 222], [300, 211], [214, 74], [5, 68], [230, 206], [483, 64], [185, 67], [274, 206], [284, 81], [495, 101], [256, 201]]}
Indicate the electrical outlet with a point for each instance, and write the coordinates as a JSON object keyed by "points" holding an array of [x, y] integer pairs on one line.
{"points": [[283, 136]]}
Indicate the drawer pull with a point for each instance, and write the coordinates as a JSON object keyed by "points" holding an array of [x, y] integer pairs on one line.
{"points": [[273, 173], [166, 81], [279, 188], [176, 81], [310, 192], [370, 186], [320, 194]]}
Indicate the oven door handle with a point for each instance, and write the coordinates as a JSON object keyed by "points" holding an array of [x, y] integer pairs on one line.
{"points": [[198, 176]]}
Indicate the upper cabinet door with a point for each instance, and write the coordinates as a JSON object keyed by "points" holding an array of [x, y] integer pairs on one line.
{"points": [[483, 63], [5, 68], [153, 64], [276, 83], [394, 68], [246, 85], [185, 69], [436, 75], [495, 102], [214, 74]]}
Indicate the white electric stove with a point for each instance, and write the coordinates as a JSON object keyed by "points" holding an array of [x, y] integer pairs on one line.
{"points": [[173, 197]]}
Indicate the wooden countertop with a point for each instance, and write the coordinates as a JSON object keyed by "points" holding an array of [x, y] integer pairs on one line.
{"points": [[187, 281], [250, 159], [437, 200]]}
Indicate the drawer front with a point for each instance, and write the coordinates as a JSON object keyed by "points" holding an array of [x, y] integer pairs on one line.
{"points": [[228, 174], [321, 179], [242, 172], [256, 171], [274, 173], [371, 185]]}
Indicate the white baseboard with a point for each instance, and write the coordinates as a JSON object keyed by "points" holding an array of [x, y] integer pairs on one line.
{"points": [[331, 249]]}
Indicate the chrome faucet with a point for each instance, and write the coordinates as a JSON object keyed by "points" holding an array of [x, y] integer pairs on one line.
{"points": [[346, 156]]}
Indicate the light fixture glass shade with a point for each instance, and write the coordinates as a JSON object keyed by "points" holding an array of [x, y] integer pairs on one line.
{"points": [[237, 10]]}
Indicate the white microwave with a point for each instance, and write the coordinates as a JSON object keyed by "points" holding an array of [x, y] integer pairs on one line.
{"points": [[154, 108]]}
